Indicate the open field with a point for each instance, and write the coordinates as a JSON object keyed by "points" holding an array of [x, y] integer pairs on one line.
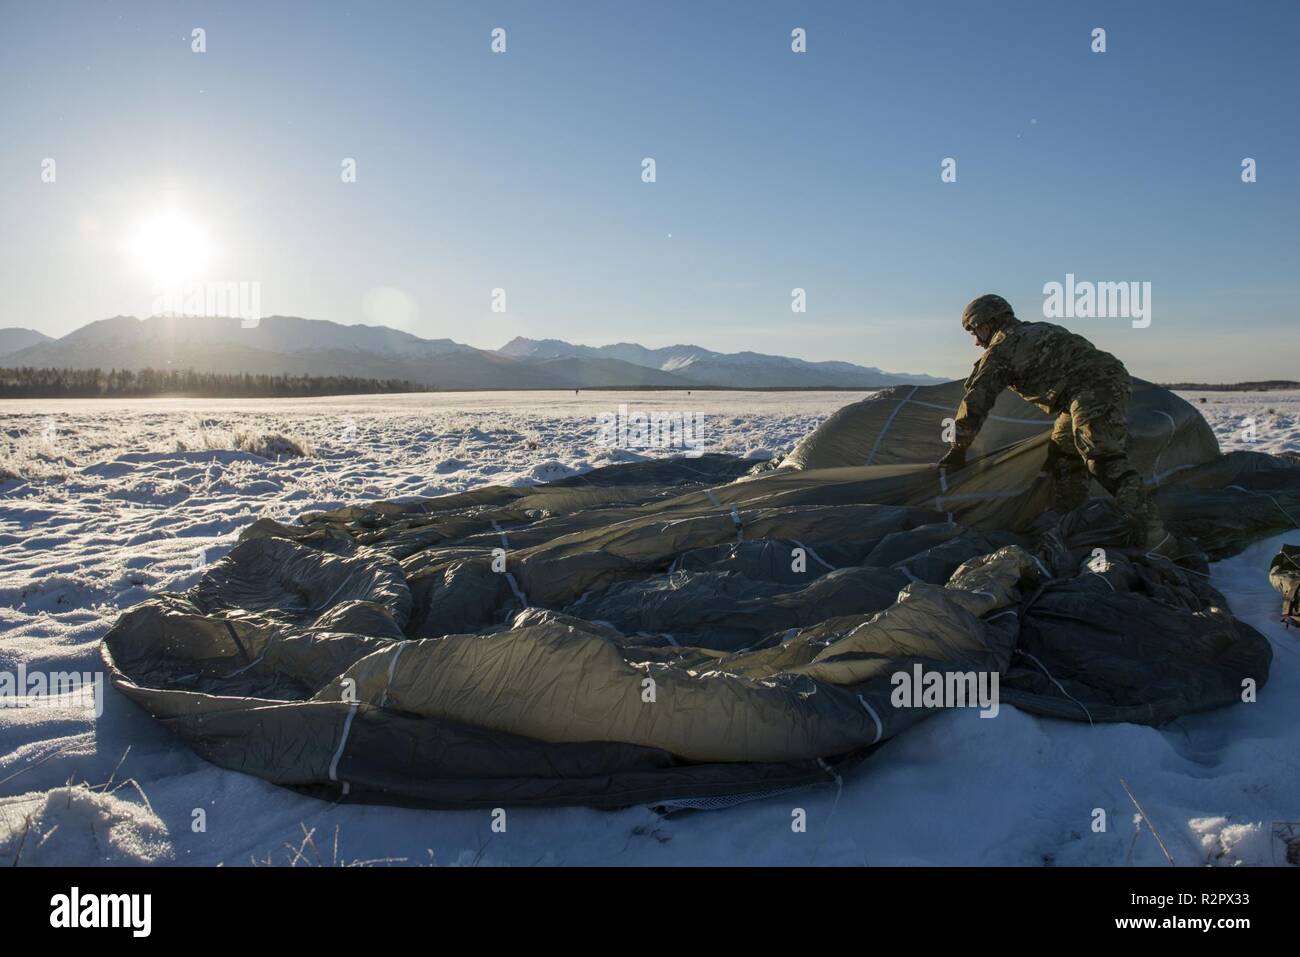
{"points": [[116, 500]]}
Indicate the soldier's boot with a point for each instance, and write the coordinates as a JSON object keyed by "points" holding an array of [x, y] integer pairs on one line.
{"points": [[1125, 485], [1069, 477]]}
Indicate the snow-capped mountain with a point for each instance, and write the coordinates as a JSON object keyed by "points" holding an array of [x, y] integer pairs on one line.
{"points": [[280, 344], [704, 367], [278, 334], [286, 344]]}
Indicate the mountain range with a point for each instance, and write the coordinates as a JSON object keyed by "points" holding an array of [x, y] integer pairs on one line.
{"points": [[286, 344]]}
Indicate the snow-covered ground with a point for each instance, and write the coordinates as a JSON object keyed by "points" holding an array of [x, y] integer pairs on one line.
{"points": [[129, 498]]}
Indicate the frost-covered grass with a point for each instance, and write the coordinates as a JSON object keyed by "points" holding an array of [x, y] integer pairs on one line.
{"points": [[123, 501], [78, 822], [267, 445], [28, 456]]}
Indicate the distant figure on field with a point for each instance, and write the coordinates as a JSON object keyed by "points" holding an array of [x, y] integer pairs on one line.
{"points": [[1063, 374]]}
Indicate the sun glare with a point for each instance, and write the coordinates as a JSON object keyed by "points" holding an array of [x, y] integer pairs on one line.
{"points": [[170, 247]]}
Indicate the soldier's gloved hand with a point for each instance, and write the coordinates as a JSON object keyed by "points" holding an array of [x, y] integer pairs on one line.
{"points": [[955, 458]]}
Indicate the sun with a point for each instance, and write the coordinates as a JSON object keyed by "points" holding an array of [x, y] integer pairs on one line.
{"points": [[170, 247]]}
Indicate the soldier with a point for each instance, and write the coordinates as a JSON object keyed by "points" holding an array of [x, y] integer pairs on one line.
{"points": [[1061, 373]]}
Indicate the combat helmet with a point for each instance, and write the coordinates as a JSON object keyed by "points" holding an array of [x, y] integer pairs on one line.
{"points": [[988, 310]]}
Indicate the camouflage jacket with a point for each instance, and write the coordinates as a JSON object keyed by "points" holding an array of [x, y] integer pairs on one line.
{"points": [[1043, 363]]}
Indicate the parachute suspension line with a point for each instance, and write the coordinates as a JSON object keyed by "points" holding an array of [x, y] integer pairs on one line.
{"points": [[248, 659], [1291, 518], [514, 587], [839, 785], [255, 662], [888, 422], [275, 634], [943, 490], [952, 410], [329, 602], [1041, 567], [1058, 684], [880, 728], [1173, 430], [1155, 556], [835, 775], [343, 740], [814, 554], [392, 669], [1154, 552], [1157, 478]]}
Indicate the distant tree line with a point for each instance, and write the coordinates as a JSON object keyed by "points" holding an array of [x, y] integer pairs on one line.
{"points": [[31, 383], [1269, 385]]}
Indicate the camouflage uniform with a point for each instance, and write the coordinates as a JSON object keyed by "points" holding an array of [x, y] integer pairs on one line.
{"points": [[1061, 373]]}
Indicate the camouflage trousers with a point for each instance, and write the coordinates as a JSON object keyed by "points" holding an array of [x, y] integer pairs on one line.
{"points": [[1090, 440]]}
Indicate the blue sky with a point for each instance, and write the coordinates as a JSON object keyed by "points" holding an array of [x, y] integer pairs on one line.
{"points": [[775, 170]]}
